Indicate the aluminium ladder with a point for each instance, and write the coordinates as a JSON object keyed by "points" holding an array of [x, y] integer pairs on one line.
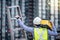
{"points": [[12, 11]]}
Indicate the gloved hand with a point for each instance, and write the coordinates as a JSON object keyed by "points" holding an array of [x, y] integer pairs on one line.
{"points": [[17, 16]]}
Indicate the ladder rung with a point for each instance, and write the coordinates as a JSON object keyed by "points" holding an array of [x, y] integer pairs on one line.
{"points": [[13, 6], [13, 18], [16, 29]]}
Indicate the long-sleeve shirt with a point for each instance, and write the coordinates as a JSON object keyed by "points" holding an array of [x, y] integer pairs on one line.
{"points": [[31, 29]]}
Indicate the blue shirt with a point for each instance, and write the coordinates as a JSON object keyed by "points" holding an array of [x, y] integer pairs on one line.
{"points": [[31, 29]]}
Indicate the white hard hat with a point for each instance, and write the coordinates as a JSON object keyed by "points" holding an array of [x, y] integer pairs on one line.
{"points": [[36, 20]]}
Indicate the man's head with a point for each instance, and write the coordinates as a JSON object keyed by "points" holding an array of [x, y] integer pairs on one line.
{"points": [[36, 21]]}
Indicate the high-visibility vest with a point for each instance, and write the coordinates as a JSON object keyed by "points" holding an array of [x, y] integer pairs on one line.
{"points": [[40, 34]]}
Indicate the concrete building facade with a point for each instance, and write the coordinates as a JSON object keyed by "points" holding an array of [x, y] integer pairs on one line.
{"points": [[45, 9]]}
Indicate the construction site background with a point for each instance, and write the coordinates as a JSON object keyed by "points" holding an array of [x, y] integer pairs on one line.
{"points": [[29, 9]]}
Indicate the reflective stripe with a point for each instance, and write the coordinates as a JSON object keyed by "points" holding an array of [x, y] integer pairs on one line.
{"points": [[40, 34]]}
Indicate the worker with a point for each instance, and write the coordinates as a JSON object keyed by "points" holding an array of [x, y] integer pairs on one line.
{"points": [[38, 33]]}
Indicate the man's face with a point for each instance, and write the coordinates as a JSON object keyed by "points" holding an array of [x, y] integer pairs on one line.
{"points": [[37, 25]]}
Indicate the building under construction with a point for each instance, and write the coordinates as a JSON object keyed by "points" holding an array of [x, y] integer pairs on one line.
{"points": [[45, 9]]}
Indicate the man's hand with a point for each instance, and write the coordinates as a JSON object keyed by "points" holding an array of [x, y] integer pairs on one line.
{"points": [[17, 16]]}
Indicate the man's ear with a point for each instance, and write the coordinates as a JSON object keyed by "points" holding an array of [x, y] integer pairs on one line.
{"points": [[34, 25]]}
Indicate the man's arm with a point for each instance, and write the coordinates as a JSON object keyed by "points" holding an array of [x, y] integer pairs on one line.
{"points": [[53, 32], [30, 29]]}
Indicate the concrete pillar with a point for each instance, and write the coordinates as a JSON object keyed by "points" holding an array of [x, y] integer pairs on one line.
{"points": [[23, 10], [0, 14], [52, 11], [3, 19], [39, 8], [56, 13], [44, 9]]}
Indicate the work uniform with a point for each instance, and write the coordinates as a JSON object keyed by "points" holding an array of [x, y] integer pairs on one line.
{"points": [[40, 34], [32, 30]]}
